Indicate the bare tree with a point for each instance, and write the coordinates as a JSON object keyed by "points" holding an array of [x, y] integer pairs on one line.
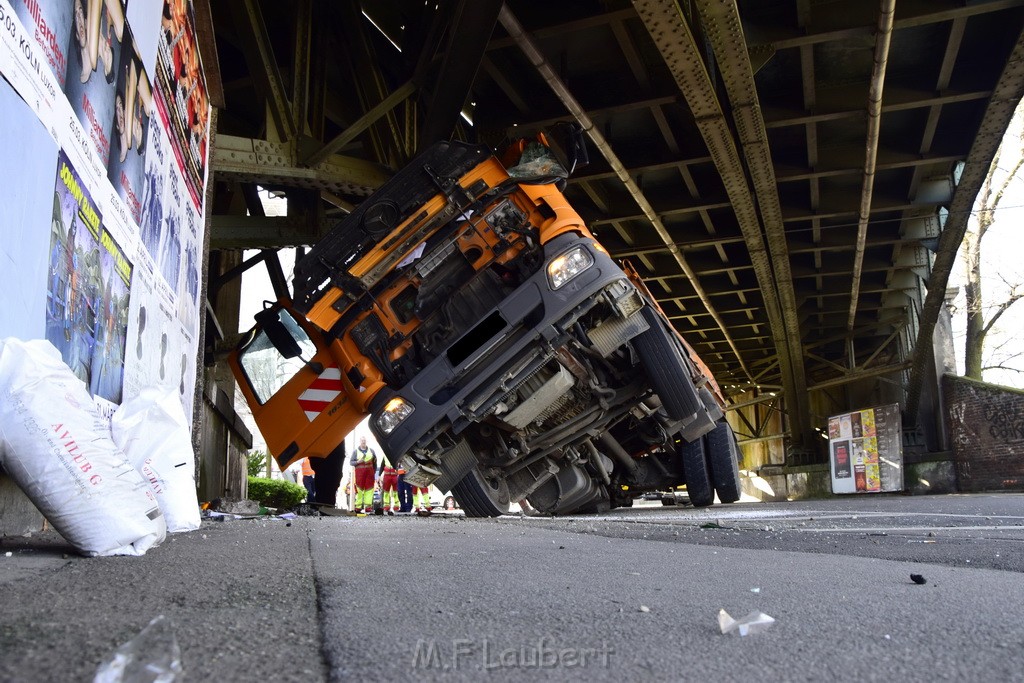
{"points": [[980, 317]]}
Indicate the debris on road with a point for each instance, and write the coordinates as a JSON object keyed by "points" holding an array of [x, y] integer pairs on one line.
{"points": [[755, 622], [153, 655], [918, 579]]}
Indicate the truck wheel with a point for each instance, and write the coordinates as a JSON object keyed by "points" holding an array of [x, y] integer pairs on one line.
{"points": [[724, 458], [480, 496], [695, 468], [666, 368]]}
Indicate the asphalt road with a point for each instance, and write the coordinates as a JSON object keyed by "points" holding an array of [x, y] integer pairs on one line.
{"points": [[634, 594]]}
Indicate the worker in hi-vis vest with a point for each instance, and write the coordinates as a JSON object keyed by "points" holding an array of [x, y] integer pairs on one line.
{"points": [[364, 460], [388, 476], [421, 499], [308, 480]]}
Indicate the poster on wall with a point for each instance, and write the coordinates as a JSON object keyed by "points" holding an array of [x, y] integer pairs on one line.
{"points": [[51, 23], [95, 53], [133, 108], [866, 449], [181, 94], [88, 288], [24, 65], [115, 276]]}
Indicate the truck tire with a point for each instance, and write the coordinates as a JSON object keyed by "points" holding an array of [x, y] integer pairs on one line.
{"points": [[724, 458], [698, 479], [666, 368], [481, 497]]}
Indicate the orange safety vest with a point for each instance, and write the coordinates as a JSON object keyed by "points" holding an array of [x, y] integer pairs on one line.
{"points": [[307, 469]]}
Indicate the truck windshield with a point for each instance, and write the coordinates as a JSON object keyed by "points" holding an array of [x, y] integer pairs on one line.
{"points": [[265, 368]]}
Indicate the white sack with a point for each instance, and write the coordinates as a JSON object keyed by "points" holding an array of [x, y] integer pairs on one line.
{"points": [[56, 446], [154, 433]]}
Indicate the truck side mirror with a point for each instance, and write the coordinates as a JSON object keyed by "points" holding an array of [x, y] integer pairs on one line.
{"points": [[577, 147], [269, 320]]}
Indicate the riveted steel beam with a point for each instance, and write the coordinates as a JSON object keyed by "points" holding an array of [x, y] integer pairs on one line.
{"points": [[725, 32], [883, 38], [274, 163], [265, 232], [301, 46], [675, 41]]}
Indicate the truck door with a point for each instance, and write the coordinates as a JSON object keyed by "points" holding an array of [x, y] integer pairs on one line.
{"points": [[292, 380]]}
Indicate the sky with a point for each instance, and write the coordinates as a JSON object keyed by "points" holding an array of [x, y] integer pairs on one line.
{"points": [[1002, 254]]}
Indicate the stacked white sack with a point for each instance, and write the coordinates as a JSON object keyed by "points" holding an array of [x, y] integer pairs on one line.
{"points": [[56, 446], [153, 432]]}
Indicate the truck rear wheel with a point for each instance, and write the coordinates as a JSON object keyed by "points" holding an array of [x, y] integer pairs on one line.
{"points": [[695, 468], [724, 457], [482, 496], [666, 368]]}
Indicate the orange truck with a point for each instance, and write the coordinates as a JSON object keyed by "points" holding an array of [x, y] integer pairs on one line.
{"points": [[501, 353]]}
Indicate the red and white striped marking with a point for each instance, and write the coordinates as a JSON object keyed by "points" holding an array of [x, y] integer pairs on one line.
{"points": [[324, 389]]}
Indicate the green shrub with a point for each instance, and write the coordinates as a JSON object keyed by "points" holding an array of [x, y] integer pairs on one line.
{"points": [[275, 493], [257, 463]]}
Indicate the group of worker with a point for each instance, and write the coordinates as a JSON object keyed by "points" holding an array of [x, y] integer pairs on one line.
{"points": [[395, 496], [368, 477]]}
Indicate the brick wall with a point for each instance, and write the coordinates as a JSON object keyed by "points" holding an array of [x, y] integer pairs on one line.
{"points": [[986, 427]]}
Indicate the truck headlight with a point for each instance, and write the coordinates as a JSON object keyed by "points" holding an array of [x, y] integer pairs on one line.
{"points": [[565, 267], [394, 413]]}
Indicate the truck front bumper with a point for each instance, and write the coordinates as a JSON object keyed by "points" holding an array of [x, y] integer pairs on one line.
{"points": [[454, 388]]}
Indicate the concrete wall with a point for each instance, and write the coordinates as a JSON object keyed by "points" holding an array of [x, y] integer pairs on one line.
{"points": [[18, 516], [986, 426]]}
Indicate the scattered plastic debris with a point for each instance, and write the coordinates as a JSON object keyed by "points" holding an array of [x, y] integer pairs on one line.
{"points": [[755, 589], [645, 608], [918, 579], [153, 655], [755, 622], [8, 554]]}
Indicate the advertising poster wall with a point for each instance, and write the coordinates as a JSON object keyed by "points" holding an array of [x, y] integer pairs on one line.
{"points": [[866, 450], [106, 191]]}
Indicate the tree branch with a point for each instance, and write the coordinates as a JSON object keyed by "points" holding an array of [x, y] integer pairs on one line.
{"points": [[1000, 310]]}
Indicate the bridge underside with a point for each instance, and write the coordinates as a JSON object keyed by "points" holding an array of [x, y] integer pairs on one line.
{"points": [[793, 179]]}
